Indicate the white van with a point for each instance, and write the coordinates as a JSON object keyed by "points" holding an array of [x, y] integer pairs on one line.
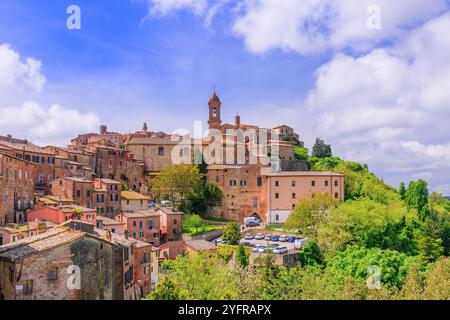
{"points": [[251, 221]]}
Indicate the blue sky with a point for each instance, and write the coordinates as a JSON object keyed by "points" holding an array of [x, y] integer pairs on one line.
{"points": [[376, 96]]}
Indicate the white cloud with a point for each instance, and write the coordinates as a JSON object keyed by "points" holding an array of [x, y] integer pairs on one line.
{"points": [[166, 6], [21, 79], [389, 107], [312, 26], [17, 73], [51, 125]]}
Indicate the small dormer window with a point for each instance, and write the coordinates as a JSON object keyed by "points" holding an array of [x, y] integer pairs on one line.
{"points": [[214, 112]]}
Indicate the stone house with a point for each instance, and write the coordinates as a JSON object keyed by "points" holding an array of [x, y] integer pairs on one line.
{"points": [[16, 189]]}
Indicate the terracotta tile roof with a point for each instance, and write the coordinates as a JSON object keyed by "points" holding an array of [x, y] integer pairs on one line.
{"points": [[132, 195], [55, 237], [141, 214]]}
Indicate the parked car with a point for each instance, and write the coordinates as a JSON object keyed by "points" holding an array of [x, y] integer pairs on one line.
{"points": [[290, 239], [257, 247], [251, 221], [274, 245], [165, 203], [274, 238], [280, 250], [282, 238], [264, 249], [268, 237], [248, 236], [259, 236]]}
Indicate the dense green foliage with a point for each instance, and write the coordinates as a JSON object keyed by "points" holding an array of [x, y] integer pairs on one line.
{"points": [[242, 256], [404, 234], [232, 233], [193, 225], [416, 197], [300, 153]]}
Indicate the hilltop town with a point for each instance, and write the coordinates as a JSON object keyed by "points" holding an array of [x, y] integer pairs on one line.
{"points": [[96, 193]]}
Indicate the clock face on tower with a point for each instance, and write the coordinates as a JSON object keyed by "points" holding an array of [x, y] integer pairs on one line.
{"points": [[214, 112]]}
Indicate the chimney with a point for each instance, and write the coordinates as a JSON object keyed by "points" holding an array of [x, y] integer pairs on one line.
{"points": [[103, 129], [237, 120], [9, 137]]}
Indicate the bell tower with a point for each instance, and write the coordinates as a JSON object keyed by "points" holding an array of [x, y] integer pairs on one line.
{"points": [[214, 104]]}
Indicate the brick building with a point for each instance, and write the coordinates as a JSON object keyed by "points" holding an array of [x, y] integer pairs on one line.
{"points": [[171, 223], [80, 190], [270, 193], [144, 225], [106, 197], [146, 271], [61, 214], [44, 161], [16, 189]]}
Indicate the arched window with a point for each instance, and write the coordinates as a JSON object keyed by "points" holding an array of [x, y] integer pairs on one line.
{"points": [[214, 112], [259, 181]]}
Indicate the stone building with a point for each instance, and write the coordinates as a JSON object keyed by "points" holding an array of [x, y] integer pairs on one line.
{"points": [[75, 261], [62, 264], [243, 143], [154, 152], [16, 189]]}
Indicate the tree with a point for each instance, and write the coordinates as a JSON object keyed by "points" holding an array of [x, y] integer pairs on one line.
{"points": [[300, 153], [430, 242], [166, 290], [213, 194], [242, 257], [321, 150], [193, 221], [177, 183], [309, 214], [416, 197], [402, 191], [310, 254], [232, 233]]}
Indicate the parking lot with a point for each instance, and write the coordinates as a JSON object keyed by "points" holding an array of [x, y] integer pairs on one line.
{"points": [[288, 245]]}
